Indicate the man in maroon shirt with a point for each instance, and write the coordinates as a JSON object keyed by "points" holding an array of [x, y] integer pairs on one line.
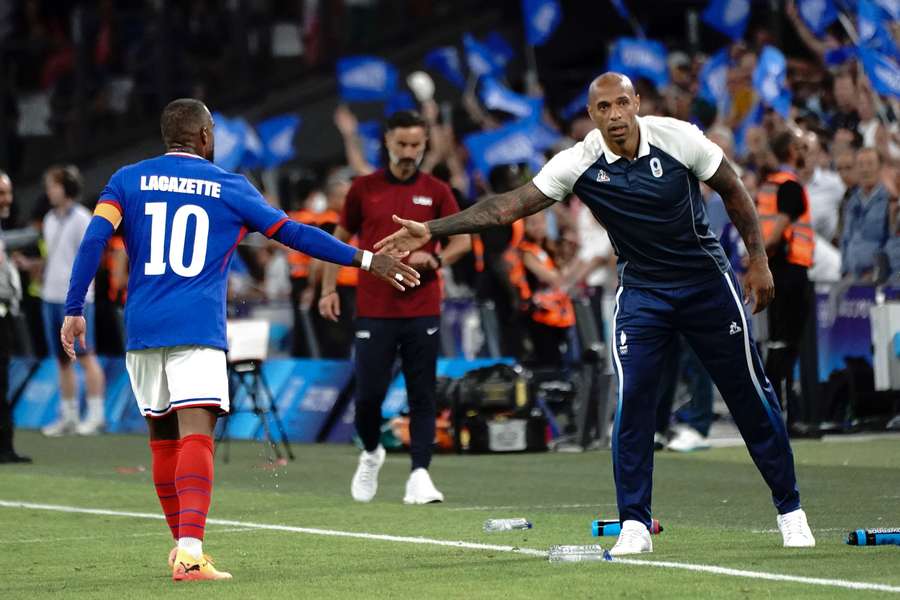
{"points": [[388, 322]]}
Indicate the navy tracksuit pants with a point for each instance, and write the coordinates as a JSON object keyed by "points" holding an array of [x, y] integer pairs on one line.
{"points": [[711, 318], [377, 343]]}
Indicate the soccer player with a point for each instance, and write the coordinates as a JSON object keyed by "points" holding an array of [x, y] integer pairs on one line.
{"points": [[388, 323], [640, 177], [183, 217]]}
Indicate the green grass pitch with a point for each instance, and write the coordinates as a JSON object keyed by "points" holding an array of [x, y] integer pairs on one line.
{"points": [[713, 505]]}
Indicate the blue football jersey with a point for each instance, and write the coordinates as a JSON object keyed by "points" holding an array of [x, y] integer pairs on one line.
{"points": [[182, 219]]}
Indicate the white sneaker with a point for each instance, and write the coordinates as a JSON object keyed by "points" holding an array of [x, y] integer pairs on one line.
{"points": [[687, 439], [90, 427], [60, 428], [633, 539], [420, 489], [795, 530], [365, 480]]}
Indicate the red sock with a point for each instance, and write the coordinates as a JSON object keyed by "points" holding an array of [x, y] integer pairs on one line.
{"points": [[165, 460], [193, 480]]}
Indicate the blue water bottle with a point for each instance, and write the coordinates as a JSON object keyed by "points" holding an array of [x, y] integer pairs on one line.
{"points": [[874, 537]]}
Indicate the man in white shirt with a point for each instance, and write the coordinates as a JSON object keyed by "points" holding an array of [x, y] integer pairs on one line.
{"points": [[63, 228]]}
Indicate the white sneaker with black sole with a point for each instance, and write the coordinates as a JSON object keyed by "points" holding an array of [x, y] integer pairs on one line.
{"points": [[633, 539], [795, 530], [420, 489], [365, 480]]}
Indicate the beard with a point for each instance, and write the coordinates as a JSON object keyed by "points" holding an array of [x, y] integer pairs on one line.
{"points": [[403, 162]]}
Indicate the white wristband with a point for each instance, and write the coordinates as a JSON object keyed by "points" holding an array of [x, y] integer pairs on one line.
{"points": [[366, 262]]}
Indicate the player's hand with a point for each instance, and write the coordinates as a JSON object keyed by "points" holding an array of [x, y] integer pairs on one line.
{"points": [[422, 261], [413, 236], [387, 268], [73, 328], [330, 306], [759, 289]]}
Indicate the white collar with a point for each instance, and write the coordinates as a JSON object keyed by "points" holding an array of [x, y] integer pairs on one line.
{"points": [[187, 154], [643, 144]]}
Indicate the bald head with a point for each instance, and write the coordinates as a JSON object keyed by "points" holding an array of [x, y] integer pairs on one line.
{"points": [[187, 124], [610, 79], [613, 106]]}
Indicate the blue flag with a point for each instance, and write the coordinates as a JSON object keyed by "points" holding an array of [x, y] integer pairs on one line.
{"points": [[623, 11], [445, 60], [366, 79], [277, 137], [769, 80], [882, 71], [713, 79], [838, 56], [640, 58], [370, 138], [577, 106], [817, 14], [229, 142], [541, 19], [873, 27], [254, 151], [495, 96], [400, 101], [514, 143], [891, 7], [500, 48], [479, 57], [728, 16]]}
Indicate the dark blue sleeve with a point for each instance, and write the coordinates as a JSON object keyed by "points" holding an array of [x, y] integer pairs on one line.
{"points": [[86, 262], [316, 243]]}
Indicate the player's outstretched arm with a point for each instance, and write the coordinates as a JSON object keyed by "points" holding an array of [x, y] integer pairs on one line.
{"points": [[501, 209], [759, 289]]}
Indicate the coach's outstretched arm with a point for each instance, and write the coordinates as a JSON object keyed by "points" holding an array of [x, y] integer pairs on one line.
{"points": [[759, 289], [501, 209]]}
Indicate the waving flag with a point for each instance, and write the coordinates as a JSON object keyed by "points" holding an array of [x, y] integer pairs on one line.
{"points": [[500, 48], [576, 106], [817, 14], [713, 79], [277, 137], [369, 133], [769, 80], [495, 96], [840, 55], [873, 27], [366, 78], [479, 57], [541, 19], [891, 7], [640, 58], [728, 16], [882, 71], [400, 101], [445, 60], [515, 143], [254, 151], [229, 142]]}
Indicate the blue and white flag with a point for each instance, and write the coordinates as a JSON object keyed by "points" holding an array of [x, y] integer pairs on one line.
{"points": [[479, 57], [400, 101], [541, 19], [229, 142], [500, 48], [891, 7], [576, 107], [254, 151], [445, 60], [882, 71], [543, 136], [640, 58], [769, 80], [496, 96], [714, 78], [514, 143], [838, 56], [817, 14], [277, 137], [366, 79], [874, 28], [369, 133], [728, 16]]}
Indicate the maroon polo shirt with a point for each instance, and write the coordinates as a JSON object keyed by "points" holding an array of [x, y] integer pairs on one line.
{"points": [[371, 201]]}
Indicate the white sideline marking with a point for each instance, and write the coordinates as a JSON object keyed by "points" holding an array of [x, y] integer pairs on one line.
{"points": [[53, 540], [839, 583], [529, 507]]}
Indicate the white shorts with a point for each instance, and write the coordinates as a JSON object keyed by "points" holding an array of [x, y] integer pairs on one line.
{"points": [[167, 379]]}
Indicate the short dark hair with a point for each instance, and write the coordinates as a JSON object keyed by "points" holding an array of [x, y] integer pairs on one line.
{"points": [[69, 177], [781, 145], [181, 119], [405, 118]]}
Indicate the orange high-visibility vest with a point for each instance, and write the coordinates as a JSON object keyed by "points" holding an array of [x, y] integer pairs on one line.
{"points": [[798, 236], [553, 306], [346, 276], [300, 262]]}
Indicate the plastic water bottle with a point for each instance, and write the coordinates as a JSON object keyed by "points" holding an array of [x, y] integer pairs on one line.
{"points": [[874, 537], [590, 552], [492, 525]]}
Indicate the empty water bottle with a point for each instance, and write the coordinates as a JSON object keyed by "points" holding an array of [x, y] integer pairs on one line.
{"points": [[492, 525], [590, 552]]}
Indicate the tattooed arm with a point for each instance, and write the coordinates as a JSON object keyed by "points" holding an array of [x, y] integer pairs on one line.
{"points": [[501, 209], [760, 288]]}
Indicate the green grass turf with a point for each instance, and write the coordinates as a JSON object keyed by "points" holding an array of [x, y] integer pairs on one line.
{"points": [[712, 504]]}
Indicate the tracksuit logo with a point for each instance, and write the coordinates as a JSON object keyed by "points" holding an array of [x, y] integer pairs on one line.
{"points": [[602, 177], [623, 346], [734, 329]]}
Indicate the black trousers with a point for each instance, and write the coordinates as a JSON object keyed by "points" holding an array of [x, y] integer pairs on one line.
{"points": [[377, 343], [6, 420], [788, 315]]}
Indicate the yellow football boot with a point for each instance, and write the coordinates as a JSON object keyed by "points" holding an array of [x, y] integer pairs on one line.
{"points": [[189, 568]]}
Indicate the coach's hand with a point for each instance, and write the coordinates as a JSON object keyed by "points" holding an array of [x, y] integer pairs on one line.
{"points": [[330, 306], [413, 236], [389, 269], [759, 289], [73, 328], [422, 261]]}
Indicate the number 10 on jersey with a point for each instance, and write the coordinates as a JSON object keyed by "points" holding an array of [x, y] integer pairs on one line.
{"points": [[157, 264]]}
